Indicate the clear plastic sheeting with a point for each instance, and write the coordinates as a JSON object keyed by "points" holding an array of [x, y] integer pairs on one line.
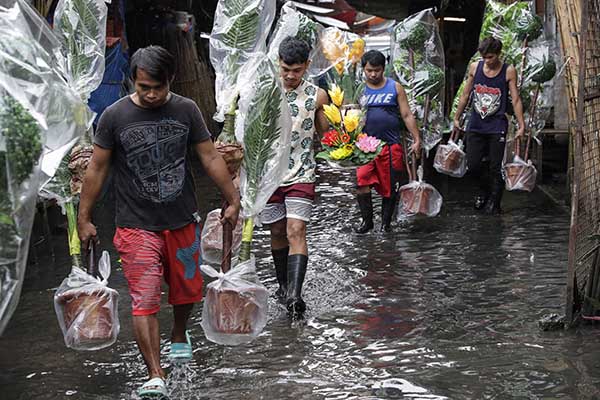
{"points": [[87, 310], [263, 127], [211, 244], [450, 159], [418, 59], [294, 23], [81, 27], [41, 118], [418, 198], [235, 305], [240, 29], [519, 175]]}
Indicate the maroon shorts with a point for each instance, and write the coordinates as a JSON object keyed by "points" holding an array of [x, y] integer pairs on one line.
{"points": [[377, 173], [293, 201], [147, 257]]}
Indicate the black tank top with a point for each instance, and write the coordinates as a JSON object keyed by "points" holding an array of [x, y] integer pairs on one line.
{"points": [[490, 96]]}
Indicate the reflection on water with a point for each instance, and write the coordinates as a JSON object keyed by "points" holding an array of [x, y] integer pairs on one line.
{"points": [[442, 308]]}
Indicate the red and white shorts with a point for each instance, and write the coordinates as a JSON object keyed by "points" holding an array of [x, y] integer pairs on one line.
{"points": [[377, 173], [147, 257], [293, 201]]}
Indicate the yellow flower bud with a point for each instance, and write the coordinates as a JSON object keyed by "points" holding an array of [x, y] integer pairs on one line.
{"points": [[337, 95], [332, 113], [351, 122]]}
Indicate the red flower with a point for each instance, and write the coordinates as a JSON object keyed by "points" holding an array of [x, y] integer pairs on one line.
{"points": [[330, 138], [345, 138]]}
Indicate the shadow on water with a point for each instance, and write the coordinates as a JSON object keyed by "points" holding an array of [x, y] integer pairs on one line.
{"points": [[442, 308]]}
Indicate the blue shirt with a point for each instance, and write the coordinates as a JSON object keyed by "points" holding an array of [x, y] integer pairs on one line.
{"points": [[383, 116]]}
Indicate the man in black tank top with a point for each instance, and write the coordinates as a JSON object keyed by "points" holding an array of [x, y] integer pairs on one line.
{"points": [[489, 83]]}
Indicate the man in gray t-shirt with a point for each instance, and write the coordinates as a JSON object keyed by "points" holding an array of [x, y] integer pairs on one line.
{"points": [[145, 137]]}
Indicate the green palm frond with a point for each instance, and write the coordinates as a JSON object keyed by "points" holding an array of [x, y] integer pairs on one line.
{"points": [[243, 31], [262, 130]]}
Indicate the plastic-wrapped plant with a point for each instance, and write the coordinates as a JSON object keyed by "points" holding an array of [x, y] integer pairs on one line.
{"points": [[79, 25], [527, 26], [416, 38], [261, 132], [546, 73], [434, 81], [22, 137]]}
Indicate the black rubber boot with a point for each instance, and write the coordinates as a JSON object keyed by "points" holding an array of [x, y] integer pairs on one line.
{"points": [[296, 270], [388, 204], [366, 210], [492, 205], [280, 259]]}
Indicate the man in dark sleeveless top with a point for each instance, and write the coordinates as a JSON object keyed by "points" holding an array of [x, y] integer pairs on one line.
{"points": [[388, 116], [489, 82]]}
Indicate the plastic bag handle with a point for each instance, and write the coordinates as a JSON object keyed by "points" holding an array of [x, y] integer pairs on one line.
{"points": [[227, 241]]}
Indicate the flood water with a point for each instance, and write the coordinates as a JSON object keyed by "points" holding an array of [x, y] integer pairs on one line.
{"points": [[442, 308]]}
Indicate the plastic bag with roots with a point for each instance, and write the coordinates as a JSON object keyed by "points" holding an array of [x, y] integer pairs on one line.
{"points": [[211, 243], [519, 175], [235, 305], [450, 159], [87, 310]]}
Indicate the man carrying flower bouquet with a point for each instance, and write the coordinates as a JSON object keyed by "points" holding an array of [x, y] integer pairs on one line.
{"points": [[388, 116], [288, 210]]}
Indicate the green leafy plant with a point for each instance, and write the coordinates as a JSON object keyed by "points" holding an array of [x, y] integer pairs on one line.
{"points": [[546, 73], [417, 37]]}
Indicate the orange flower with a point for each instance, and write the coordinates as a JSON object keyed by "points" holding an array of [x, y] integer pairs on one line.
{"points": [[345, 138]]}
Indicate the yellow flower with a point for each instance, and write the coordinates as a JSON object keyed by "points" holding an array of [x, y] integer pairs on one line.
{"points": [[358, 49], [339, 67], [351, 122], [337, 95], [359, 44], [333, 45], [342, 152], [332, 113]]}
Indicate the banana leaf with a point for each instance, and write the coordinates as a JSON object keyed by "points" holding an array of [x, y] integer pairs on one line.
{"points": [[263, 127], [240, 28]]}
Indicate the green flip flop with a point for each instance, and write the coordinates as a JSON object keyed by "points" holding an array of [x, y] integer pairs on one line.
{"points": [[181, 352], [155, 388]]}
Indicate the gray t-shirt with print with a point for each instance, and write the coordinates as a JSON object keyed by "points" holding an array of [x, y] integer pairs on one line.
{"points": [[153, 184]]}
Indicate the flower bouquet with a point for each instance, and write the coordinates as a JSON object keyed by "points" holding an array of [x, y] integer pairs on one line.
{"points": [[346, 145]]}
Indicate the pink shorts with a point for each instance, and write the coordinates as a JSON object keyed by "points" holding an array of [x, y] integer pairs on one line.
{"points": [[147, 257]]}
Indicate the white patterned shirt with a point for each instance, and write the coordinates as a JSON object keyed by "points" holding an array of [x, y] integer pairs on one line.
{"points": [[302, 102]]}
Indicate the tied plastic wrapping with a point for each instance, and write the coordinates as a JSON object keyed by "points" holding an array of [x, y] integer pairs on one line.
{"points": [[42, 117], [212, 238], [519, 175], [235, 306], [263, 127], [240, 29], [418, 198], [296, 24], [418, 59], [87, 309], [450, 159]]}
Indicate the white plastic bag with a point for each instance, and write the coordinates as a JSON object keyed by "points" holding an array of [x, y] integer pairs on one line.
{"points": [[235, 305], [211, 243], [418, 198], [520, 175], [450, 159], [87, 310]]}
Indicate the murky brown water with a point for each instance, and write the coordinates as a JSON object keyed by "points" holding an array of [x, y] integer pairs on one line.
{"points": [[443, 308]]}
